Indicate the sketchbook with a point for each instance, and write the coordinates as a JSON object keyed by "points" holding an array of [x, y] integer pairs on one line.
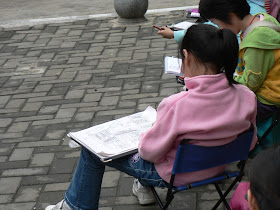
{"points": [[182, 25], [115, 138], [172, 65]]}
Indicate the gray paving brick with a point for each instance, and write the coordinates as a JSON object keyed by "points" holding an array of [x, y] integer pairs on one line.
{"points": [[208, 204], [43, 159], [105, 65], [9, 185], [109, 101], [74, 154], [75, 60], [56, 81], [86, 116], [15, 103], [5, 122], [49, 109], [34, 53], [39, 143], [65, 113], [63, 166], [6, 149], [13, 164], [3, 159], [5, 198], [74, 94], [110, 179], [68, 44], [115, 83], [83, 77], [75, 32], [128, 76], [127, 104], [49, 198], [58, 91], [21, 154], [55, 134], [139, 96], [92, 97], [46, 98], [10, 136], [29, 119], [25, 171], [57, 187], [126, 200], [30, 193], [32, 106], [44, 179], [55, 42], [42, 88], [30, 95], [16, 206], [18, 127], [168, 91]]}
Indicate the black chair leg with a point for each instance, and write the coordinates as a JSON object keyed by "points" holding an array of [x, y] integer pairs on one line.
{"points": [[222, 198], [168, 199], [227, 191], [157, 197]]}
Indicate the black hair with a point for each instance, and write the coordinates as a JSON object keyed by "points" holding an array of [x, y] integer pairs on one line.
{"points": [[264, 178], [213, 47], [220, 9]]}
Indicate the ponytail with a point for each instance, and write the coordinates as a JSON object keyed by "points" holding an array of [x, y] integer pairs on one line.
{"points": [[229, 53], [213, 47]]}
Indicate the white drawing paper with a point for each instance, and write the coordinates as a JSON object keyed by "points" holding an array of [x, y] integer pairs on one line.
{"points": [[116, 137]]}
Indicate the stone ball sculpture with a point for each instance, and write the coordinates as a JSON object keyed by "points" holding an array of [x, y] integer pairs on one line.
{"points": [[129, 9]]}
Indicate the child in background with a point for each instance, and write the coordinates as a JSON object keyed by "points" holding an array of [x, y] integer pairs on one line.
{"points": [[205, 113], [264, 192], [263, 188], [259, 52], [256, 6]]}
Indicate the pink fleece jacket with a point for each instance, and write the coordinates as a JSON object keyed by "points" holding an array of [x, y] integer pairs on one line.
{"points": [[211, 112]]}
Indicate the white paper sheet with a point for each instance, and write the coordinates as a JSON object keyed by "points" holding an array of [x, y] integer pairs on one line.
{"points": [[172, 65], [117, 136], [183, 25]]}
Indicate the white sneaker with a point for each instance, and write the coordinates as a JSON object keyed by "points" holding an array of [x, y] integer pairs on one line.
{"points": [[62, 205], [144, 194]]}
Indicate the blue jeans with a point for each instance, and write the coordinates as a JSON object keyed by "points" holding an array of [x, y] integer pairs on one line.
{"points": [[84, 190]]}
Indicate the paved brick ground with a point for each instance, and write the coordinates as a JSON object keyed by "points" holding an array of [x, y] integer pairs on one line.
{"points": [[65, 77]]}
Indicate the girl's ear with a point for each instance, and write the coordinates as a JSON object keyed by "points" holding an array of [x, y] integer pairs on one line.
{"points": [[187, 57], [185, 52], [253, 204]]}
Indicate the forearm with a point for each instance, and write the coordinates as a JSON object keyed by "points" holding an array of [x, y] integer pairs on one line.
{"points": [[257, 62]]}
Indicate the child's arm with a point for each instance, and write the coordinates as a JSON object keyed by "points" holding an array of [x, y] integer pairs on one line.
{"points": [[169, 34], [257, 63], [179, 35], [166, 32]]}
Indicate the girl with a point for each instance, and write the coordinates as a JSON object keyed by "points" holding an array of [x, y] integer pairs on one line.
{"points": [[209, 113]]}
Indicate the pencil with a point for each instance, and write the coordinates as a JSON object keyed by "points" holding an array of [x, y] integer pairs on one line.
{"points": [[157, 28]]}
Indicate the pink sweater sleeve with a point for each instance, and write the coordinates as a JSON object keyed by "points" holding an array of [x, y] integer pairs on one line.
{"points": [[156, 142]]}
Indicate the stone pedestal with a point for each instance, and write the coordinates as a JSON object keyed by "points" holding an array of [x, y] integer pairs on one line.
{"points": [[131, 9]]}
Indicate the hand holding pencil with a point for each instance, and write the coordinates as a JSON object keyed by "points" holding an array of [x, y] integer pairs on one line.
{"points": [[166, 32]]}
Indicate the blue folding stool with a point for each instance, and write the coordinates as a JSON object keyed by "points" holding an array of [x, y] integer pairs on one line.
{"points": [[190, 158]]}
